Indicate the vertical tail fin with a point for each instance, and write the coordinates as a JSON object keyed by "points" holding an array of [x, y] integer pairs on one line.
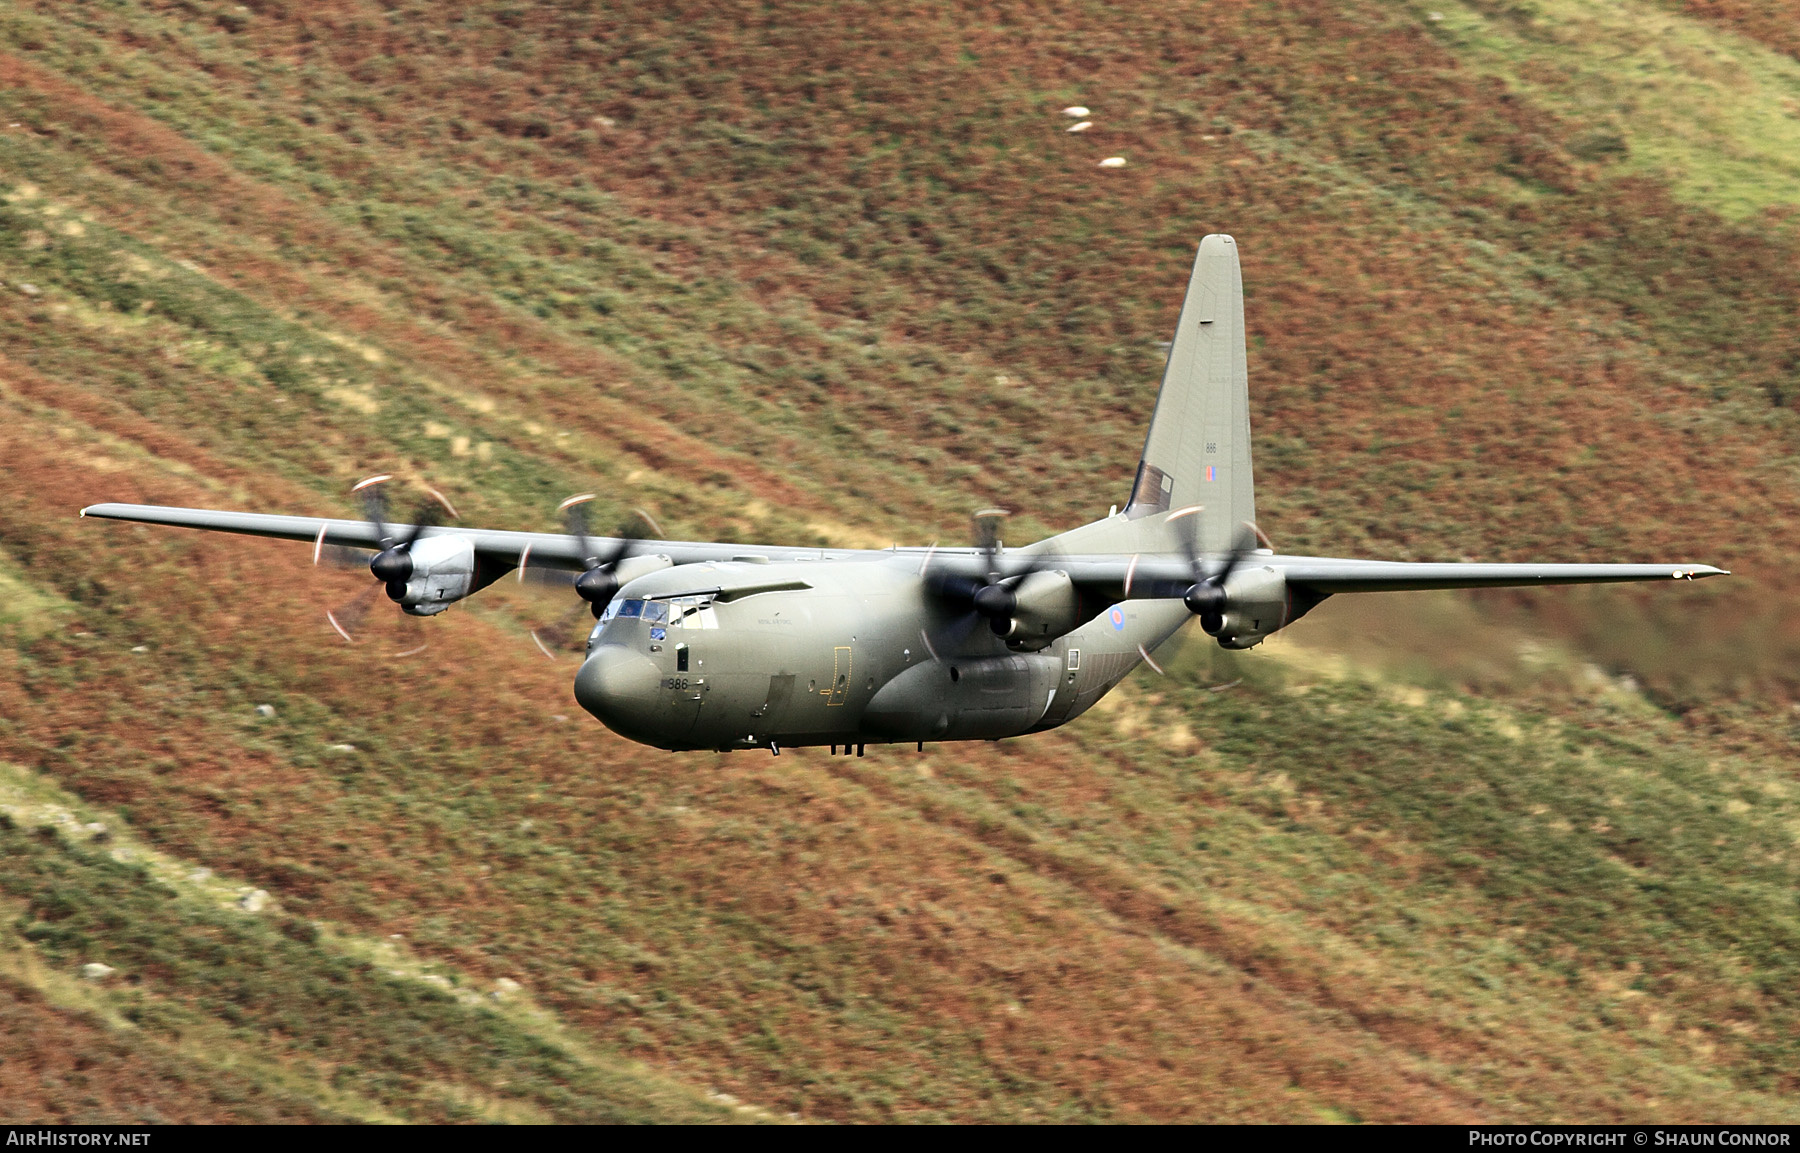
{"points": [[1198, 450]]}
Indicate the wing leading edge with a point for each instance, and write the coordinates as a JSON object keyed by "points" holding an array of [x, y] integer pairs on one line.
{"points": [[1109, 575], [1348, 576], [547, 549]]}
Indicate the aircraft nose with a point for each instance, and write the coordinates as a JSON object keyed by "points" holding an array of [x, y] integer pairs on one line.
{"points": [[618, 685]]}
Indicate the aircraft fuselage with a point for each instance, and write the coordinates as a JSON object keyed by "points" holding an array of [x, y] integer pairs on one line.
{"points": [[740, 655]]}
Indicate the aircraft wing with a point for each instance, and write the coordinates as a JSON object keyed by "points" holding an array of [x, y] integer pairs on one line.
{"points": [[547, 549], [1155, 577], [1351, 576], [1110, 576]]}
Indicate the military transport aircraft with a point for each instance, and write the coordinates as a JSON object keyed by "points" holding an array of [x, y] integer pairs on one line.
{"points": [[727, 646]]}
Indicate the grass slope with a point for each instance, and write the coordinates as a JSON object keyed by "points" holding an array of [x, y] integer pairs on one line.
{"points": [[774, 285]]}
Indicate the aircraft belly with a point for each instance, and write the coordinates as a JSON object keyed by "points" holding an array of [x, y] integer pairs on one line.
{"points": [[964, 699], [1108, 649]]}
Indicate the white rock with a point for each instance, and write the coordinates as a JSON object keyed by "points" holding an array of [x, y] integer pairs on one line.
{"points": [[254, 902], [1434, 17], [140, 648], [1081, 127], [30, 289], [341, 748], [1113, 162], [95, 827], [505, 988], [200, 874], [1075, 112], [434, 979], [265, 710], [95, 971]]}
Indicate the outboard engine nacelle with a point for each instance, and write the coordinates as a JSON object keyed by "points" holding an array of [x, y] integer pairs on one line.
{"points": [[1256, 605], [442, 571]]}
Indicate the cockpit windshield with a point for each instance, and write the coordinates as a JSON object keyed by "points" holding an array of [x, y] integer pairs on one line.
{"points": [[690, 612], [656, 612]]}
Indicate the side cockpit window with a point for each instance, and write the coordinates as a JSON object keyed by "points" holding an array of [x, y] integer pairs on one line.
{"points": [[692, 613]]}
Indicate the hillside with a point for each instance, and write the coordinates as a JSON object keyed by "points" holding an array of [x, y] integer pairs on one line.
{"points": [[1521, 280]]}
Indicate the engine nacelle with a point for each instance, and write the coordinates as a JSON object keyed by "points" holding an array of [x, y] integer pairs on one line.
{"points": [[1256, 605], [443, 572], [597, 586], [1046, 606]]}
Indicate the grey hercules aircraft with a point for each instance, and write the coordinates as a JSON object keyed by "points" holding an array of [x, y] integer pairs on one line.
{"points": [[723, 646]]}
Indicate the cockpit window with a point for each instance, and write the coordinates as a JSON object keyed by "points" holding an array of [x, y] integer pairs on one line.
{"points": [[633, 608], [692, 613], [683, 612]]}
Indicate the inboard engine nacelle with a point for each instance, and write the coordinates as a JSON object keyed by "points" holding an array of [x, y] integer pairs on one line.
{"points": [[1045, 606]]}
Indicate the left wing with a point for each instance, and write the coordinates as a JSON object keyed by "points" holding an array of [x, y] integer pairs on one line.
{"points": [[1363, 576], [496, 546], [1157, 577]]}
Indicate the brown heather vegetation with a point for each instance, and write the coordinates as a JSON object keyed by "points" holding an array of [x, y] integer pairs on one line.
{"points": [[823, 272]]}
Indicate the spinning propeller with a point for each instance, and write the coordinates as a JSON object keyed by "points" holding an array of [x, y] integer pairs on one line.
{"points": [[1205, 597], [993, 597], [392, 564], [599, 579], [1204, 592]]}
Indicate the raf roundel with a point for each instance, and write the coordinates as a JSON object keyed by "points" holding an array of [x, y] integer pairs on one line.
{"points": [[1117, 617]]}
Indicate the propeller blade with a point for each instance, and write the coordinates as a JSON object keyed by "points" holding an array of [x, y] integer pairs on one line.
{"points": [[575, 523], [347, 618], [1187, 532], [556, 636], [428, 516], [411, 639], [987, 538], [951, 639], [1243, 547], [374, 499], [345, 557]]}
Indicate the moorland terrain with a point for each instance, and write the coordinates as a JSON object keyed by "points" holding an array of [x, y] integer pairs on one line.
{"points": [[1521, 280]]}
